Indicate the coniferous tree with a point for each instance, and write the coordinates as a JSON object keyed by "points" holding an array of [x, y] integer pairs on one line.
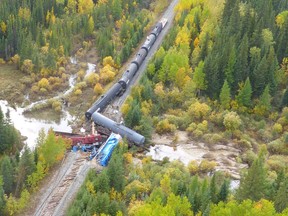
{"points": [[8, 175], [2, 199], [204, 47], [102, 182], [265, 99], [271, 69], [244, 95], [229, 70], [115, 171], [213, 189], [254, 184], [259, 75], [281, 199], [284, 102], [241, 66], [26, 167], [224, 191], [225, 96], [199, 77]]}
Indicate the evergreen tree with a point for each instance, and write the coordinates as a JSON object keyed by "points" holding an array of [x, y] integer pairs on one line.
{"points": [[254, 184], [244, 95], [285, 99], [133, 116], [25, 168], [229, 70], [213, 189], [199, 77], [265, 99], [212, 75], [2, 199], [117, 9], [281, 199], [282, 42], [271, 69], [115, 171], [259, 75], [8, 175], [225, 96], [224, 191], [204, 47], [90, 26], [241, 66], [102, 182]]}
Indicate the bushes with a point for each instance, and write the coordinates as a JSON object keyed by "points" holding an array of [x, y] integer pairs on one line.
{"points": [[198, 111], [278, 146], [165, 127], [213, 138], [232, 121]]}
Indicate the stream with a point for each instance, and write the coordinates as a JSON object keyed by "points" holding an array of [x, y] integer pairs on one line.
{"points": [[29, 126]]}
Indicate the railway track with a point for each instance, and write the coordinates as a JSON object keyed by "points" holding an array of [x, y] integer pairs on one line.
{"points": [[57, 198], [61, 184], [113, 110]]}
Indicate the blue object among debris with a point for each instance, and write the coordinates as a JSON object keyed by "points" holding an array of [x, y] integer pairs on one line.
{"points": [[104, 153]]}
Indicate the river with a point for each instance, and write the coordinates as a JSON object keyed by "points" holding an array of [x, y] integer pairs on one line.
{"points": [[30, 127]]}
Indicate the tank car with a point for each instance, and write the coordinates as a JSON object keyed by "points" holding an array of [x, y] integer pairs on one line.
{"points": [[118, 128], [140, 56], [104, 100]]}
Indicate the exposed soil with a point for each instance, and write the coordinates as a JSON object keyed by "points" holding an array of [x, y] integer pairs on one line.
{"points": [[185, 150], [10, 84]]}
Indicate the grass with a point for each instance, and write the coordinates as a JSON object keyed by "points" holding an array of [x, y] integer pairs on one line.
{"points": [[11, 89]]}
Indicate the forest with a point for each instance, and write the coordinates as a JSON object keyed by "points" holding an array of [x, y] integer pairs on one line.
{"points": [[21, 175], [221, 75]]}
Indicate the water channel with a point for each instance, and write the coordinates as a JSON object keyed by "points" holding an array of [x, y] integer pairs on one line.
{"points": [[29, 126]]}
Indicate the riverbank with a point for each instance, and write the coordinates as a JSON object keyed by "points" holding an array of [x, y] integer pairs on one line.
{"points": [[185, 149]]}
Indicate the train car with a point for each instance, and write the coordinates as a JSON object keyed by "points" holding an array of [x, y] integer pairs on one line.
{"points": [[118, 128], [149, 42], [104, 153], [104, 100], [79, 139]]}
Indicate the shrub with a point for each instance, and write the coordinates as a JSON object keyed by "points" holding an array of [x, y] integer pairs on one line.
{"points": [[92, 79], [193, 167], [43, 90], [198, 111], [165, 127], [248, 157], [81, 73], [191, 127], [213, 138], [207, 166], [243, 144], [277, 147], [98, 89], [77, 92], [232, 121], [80, 85], [57, 106], [27, 66], [197, 133], [43, 83], [277, 128]]}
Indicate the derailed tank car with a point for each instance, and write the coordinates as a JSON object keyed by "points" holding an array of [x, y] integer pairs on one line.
{"points": [[104, 100], [118, 128]]}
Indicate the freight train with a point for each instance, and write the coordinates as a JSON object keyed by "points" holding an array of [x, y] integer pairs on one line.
{"points": [[120, 87]]}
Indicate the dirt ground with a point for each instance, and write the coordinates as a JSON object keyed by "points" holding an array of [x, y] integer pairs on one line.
{"points": [[185, 150], [10, 84]]}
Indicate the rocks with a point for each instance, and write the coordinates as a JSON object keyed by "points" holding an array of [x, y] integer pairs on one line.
{"points": [[187, 150]]}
